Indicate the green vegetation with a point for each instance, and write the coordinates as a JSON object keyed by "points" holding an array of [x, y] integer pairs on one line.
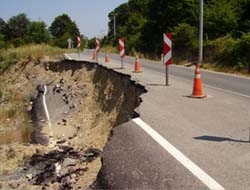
{"points": [[142, 24], [19, 31], [62, 28], [226, 30]]}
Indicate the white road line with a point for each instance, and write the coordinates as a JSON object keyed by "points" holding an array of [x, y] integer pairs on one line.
{"points": [[46, 109], [215, 88], [227, 91], [192, 167]]}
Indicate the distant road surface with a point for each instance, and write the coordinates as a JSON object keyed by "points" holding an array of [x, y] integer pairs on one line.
{"points": [[227, 82]]}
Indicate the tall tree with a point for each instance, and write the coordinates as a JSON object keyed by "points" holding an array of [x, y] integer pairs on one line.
{"points": [[2, 26], [2, 29], [163, 16], [136, 21], [37, 32], [130, 19], [63, 28], [18, 26], [220, 18], [118, 18], [243, 19], [63, 24]]}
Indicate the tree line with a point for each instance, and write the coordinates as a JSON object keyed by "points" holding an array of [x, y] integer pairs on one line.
{"points": [[20, 30], [226, 29], [142, 24]]}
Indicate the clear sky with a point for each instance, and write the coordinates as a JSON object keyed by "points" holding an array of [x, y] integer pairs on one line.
{"points": [[91, 16]]}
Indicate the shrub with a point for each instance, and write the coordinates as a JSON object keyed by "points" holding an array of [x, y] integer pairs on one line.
{"points": [[229, 52], [226, 50], [244, 51], [185, 40]]}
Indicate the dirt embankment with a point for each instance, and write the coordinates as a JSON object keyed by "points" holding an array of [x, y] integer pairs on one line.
{"points": [[85, 101]]}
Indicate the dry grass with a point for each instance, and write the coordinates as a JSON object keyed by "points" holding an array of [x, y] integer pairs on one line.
{"points": [[13, 55], [109, 49], [224, 69]]}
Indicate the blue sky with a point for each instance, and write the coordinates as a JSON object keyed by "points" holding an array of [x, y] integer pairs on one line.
{"points": [[91, 16]]}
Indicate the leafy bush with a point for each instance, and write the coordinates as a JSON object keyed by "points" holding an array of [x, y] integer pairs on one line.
{"points": [[225, 50], [244, 51], [185, 40], [230, 52], [2, 42], [91, 43]]}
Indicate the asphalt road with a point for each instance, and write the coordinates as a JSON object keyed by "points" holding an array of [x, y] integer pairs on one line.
{"points": [[223, 81], [212, 132]]}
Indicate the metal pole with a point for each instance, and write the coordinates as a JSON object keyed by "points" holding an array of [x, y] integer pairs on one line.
{"points": [[167, 84], [201, 33], [114, 26], [249, 135], [122, 62]]}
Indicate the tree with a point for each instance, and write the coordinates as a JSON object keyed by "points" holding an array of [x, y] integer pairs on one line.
{"points": [[185, 40], [243, 51], [163, 16], [2, 42], [2, 26], [220, 18], [121, 16], [130, 19], [91, 43], [143, 22], [37, 32], [63, 28], [243, 19], [18, 26]]}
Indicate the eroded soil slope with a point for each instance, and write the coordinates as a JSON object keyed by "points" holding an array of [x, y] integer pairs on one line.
{"points": [[85, 101]]}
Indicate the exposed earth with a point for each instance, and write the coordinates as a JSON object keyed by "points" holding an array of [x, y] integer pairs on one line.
{"points": [[85, 101]]}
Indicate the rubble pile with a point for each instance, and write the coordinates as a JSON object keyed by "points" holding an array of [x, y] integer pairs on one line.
{"points": [[61, 167]]}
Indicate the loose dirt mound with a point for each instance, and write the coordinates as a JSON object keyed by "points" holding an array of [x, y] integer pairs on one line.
{"points": [[85, 101]]}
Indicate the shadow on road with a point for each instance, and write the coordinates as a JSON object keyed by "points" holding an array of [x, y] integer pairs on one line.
{"points": [[219, 139]]}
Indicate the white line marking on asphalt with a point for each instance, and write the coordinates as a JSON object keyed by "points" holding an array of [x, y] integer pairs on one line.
{"points": [[67, 56], [227, 91], [46, 110], [192, 167], [215, 88]]}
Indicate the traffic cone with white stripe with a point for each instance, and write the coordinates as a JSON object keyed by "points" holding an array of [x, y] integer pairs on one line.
{"points": [[137, 65], [107, 59], [197, 87]]}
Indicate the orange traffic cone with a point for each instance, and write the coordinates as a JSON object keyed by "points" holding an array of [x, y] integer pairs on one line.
{"points": [[94, 55], [197, 87], [107, 59], [137, 65]]}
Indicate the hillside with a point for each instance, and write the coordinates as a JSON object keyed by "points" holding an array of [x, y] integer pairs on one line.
{"points": [[97, 100]]}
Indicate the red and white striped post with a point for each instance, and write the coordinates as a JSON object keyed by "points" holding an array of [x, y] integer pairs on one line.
{"points": [[167, 52], [78, 41], [122, 50], [97, 47]]}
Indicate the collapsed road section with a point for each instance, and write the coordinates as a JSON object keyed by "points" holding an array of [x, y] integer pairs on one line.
{"points": [[74, 106]]}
